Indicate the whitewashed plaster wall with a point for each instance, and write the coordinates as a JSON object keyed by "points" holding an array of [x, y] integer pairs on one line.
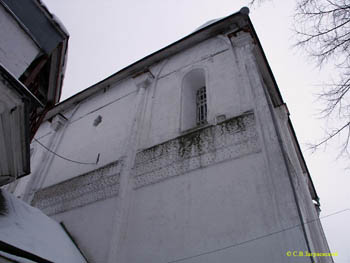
{"points": [[157, 193], [211, 208], [17, 49], [226, 93], [92, 231]]}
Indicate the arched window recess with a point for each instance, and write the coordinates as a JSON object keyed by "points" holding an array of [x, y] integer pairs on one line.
{"points": [[194, 100]]}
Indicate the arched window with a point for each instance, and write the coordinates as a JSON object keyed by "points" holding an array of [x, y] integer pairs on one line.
{"points": [[194, 99]]}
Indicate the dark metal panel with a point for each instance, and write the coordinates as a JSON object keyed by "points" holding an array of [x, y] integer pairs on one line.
{"points": [[18, 86], [12, 250], [36, 22], [26, 136]]}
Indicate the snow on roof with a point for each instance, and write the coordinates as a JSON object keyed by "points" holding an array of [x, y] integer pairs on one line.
{"points": [[207, 24], [28, 229]]}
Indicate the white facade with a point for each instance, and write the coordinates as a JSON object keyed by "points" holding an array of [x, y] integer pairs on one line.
{"points": [[154, 187]]}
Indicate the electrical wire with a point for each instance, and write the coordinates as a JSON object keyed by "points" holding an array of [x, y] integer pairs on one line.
{"points": [[62, 157], [219, 249], [257, 238]]}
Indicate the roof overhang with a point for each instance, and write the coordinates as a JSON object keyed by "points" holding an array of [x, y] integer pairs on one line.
{"points": [[231, 23], [49, 34]]}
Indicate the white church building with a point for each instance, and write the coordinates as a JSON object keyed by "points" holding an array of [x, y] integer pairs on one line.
{"points": [[187, 155]]}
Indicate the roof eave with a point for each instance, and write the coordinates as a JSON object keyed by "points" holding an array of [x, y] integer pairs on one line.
{"points": [[226, 24]]}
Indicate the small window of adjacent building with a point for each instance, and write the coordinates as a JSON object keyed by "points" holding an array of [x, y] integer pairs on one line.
{"points": [[194, 108]]}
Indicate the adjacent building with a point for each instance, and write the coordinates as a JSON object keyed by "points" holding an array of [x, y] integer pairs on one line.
{"points": [[33, 48]]}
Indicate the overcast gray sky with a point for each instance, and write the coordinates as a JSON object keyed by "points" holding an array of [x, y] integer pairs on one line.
{"points": [[106, 36]]}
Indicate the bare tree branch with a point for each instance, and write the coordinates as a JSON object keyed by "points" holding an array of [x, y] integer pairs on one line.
{"points": [[322, 29]]}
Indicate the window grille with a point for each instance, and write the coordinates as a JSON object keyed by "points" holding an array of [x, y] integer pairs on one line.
{"points": [[201, 100]]}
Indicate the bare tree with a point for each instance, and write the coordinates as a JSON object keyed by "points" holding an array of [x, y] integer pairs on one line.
{"points": [[323, 30]]}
